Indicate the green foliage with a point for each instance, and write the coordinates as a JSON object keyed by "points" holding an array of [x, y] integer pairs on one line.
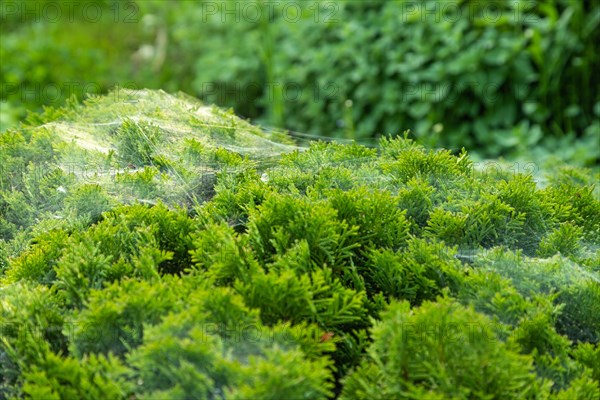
{"points": [[218, 250], [380, 220], [32, 322], [580, 319], [131, 241], [282, 220], [38, 262], [495, 76], [571, 201], [137, 142], [37, 35], [83, 269], [441, 350], [563, 240], [94, 377], [416, 274], [528, 323], [574, 287], [499, 77], [315, 297], [88, 201], [417, 198], [589, 355], [113, 318], [218, 345], [18, 213], [321, 272]]}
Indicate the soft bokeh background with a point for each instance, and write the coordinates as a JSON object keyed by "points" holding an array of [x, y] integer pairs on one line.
{"points": [[516, 79]]}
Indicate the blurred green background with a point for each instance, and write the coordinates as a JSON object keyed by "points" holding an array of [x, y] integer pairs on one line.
{"points": [[507, 78]]}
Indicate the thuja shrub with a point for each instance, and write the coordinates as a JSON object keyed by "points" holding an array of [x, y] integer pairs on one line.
{"points": [[93, 377], [241, 265], [88, 201], [575, 288], [31, 321], [418, 273], [589, 355], [113, 318], [137, 141], [217, 346], [281, 220], [440, 350], [38, 261]]}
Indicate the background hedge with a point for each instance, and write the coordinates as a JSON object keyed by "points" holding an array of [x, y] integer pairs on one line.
{"points": [[508, 78]]}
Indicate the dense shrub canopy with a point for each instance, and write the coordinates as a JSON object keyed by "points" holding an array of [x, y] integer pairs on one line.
{"points": [[154, 247]]}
